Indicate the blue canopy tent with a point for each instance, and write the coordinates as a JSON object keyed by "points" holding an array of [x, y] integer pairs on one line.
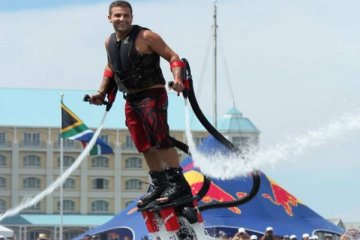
{"points": [[272, 206], [128, 222]]}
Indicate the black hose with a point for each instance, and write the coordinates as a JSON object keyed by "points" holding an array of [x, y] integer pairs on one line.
{"points": [[206, 183], [199, 114], [180, 145], [218, 136], [237, 202]]}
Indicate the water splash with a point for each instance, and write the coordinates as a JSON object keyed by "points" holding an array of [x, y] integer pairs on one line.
{"points": [[31, 201], [220, 166]]}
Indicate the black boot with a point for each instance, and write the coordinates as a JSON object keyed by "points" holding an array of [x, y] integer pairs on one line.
{"points": [[160, 183], [178, 187]]}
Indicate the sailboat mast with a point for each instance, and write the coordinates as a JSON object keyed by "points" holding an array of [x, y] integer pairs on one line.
{"points": [[215, 67]]}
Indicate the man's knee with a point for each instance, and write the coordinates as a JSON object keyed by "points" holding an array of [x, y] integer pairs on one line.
{"points": [[148, 150]]}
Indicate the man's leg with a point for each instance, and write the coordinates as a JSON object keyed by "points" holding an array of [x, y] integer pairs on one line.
{"points": [[157, 174], [167, 176], [154, 160], [169, 156], [178, 186], [163, 161]]}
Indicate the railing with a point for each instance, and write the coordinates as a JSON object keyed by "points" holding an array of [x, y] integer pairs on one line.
{"points": [[25, 145], [126, 147], [76, 145], [6, 144]]}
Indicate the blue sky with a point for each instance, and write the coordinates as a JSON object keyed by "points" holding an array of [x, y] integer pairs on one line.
{"points": [[16, 5], [293, 66]]}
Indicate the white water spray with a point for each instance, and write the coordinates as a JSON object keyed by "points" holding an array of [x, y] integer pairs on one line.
{"points": [[29, 201], [222, 166]]}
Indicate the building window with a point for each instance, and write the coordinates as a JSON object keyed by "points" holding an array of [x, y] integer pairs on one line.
{"points": [[2, 182], [100, 162], [241, 142], [100, 183], [105, 138], [133, 162], [2, 139], [68, 205], [35, 208], [133, 184], [129, 144], [31, 183], [32, 161], [2, 205], [73, 234], [100, 206], [67, 143], [67, 161], [2, 161], [33, 235], [198, 140], [32, 139], [69, 183]]}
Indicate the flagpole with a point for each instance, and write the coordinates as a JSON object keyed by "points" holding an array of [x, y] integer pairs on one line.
{"points": [[61, 173]]}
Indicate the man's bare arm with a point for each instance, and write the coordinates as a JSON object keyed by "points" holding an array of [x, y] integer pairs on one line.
{"points": [[98, 98], [158, 45]]}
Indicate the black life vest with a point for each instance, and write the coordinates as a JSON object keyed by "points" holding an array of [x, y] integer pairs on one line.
{"points": [[133, 70]]}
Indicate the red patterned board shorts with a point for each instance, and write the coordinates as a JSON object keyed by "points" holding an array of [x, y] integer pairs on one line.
{"points": [[146, 119]]}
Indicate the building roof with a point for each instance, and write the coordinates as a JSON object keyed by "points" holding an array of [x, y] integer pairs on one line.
{"points": [[54, 220], [41, 108], [233, 121]]}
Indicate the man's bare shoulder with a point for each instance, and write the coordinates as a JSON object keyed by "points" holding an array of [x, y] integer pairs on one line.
{"points": [[149, 36], [107, 40]]}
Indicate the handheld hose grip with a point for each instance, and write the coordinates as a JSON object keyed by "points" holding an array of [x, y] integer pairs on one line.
{"points": [[111, 95], [186, 87], [104, 102]]}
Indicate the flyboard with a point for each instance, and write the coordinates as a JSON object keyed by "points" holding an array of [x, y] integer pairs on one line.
{"points": [[182, 219], [179, 218]]}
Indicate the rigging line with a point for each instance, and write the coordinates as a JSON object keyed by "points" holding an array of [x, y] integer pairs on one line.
{"points": [[226, 69], [204, 65]]}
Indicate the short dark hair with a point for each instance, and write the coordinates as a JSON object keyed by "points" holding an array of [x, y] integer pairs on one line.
{"points": [[119, 3]]}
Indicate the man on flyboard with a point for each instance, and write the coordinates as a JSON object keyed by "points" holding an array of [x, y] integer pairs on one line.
{"points": [[134, 64]]}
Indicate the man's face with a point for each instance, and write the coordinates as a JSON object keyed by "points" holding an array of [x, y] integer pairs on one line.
{"points": [[121, 18]]}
